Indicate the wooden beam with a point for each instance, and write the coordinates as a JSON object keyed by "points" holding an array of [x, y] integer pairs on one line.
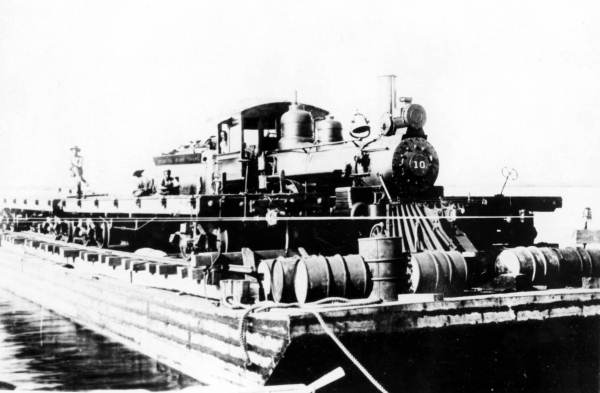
{"points": [[89, 256]]}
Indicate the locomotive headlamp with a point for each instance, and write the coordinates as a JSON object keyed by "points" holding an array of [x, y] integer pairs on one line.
{"points": [[411, 115]]}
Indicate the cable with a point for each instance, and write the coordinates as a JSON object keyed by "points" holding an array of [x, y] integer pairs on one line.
{"points": [[348, 354]]}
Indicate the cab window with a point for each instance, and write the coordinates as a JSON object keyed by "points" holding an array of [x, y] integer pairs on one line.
{"points": [[230, 138]]}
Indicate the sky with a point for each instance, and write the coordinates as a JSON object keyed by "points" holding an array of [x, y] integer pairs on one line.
{"points": [[504, 83]]}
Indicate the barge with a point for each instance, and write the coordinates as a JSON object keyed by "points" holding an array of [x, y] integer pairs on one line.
{"points": [[217, 345]]}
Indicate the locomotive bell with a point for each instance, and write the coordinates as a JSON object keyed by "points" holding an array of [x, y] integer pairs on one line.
{"points": [[360, 125], [329, 130], [296, 128]]}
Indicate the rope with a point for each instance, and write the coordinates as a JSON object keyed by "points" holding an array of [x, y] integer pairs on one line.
{"points": [[348, 354], [311, 308]]}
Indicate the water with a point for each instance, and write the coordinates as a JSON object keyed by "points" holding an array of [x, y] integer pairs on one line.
{"points": [[41, 350]]}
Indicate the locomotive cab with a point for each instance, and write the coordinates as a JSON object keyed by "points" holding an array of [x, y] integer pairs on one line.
{"points": [[251, 136]]}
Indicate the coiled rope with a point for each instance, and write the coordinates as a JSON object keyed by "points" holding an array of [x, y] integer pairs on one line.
{"points": [[313, 309]]}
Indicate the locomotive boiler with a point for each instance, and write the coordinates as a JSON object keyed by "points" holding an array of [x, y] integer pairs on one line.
{"points": [[403, 162]]}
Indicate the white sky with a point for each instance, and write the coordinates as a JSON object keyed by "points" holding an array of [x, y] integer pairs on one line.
{"points": [[504, 83]]}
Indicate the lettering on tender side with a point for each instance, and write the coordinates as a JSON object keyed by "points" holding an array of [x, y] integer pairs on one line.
{"points": [[178, 159]]}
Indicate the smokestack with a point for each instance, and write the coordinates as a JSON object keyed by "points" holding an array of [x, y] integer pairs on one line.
{"points": [[387, 94]]}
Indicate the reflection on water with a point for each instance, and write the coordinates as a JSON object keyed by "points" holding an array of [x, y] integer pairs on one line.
{"points": [[41, 350]]}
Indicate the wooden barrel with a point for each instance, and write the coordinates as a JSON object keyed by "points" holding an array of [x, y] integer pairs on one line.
{"points": [[540, 265], [439, 272], [359, 284], [527, 262], [425, 273], [553, 267], [282, 282], [387, 265], [571, 266], [339, 276], [594, 254], [312, 279], [507, 262], [460, 271], [444, 267], [553, 277], [518, 260], [586, 262], [265, 274]]}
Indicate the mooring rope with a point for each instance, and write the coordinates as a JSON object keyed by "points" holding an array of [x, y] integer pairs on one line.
{"points": [[348, 354], [311, 308]]}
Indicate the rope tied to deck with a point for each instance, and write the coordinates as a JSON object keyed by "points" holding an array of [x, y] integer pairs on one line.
{"points": [[313, 309]]}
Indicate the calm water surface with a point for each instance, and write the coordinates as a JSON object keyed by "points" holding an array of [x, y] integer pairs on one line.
{"points": [[41, 350]]}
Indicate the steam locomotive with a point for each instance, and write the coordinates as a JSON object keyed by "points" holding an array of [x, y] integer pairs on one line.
{"points": [[283, 175], [269, 147]]}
